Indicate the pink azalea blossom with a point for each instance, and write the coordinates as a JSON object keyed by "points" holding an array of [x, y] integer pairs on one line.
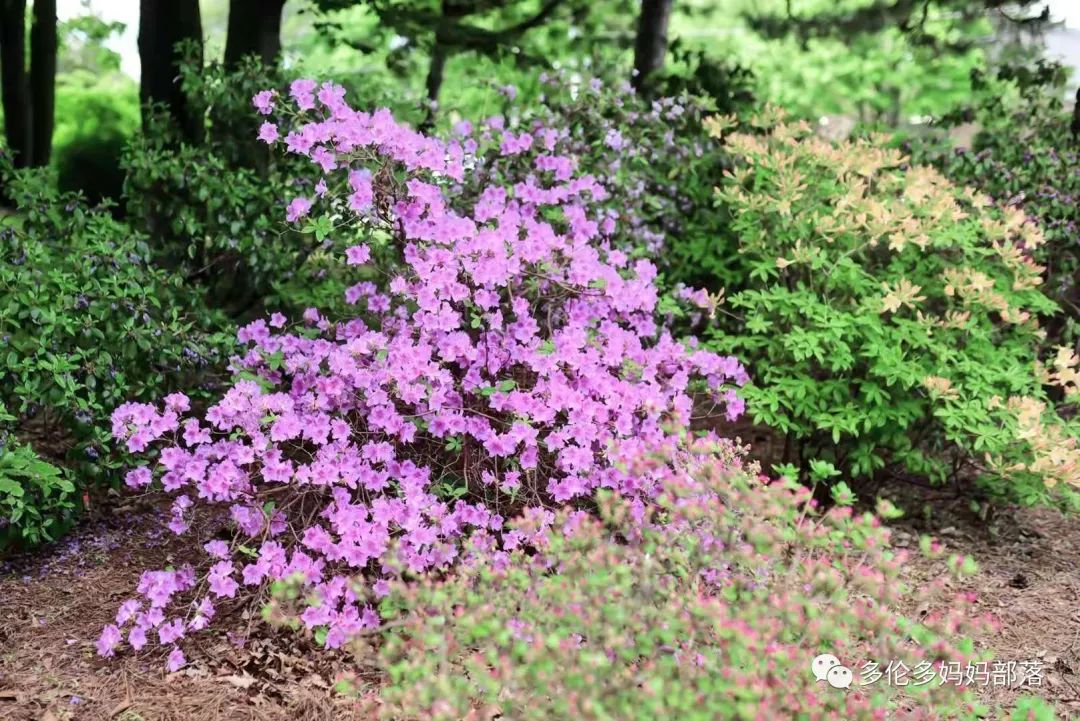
{"points": [[358, 254], [264, 101], [506, 330], [176, 661], [108, 640], [298, 208], [268, 133]]}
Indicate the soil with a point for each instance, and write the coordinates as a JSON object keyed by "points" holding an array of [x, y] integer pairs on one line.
{"points": [[53, 603]]}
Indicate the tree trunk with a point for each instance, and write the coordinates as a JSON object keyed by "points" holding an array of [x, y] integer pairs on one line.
{"points": [[14, 84], [1075, 125], [254, 29], [43, 78], [435, 72], [440, 52], [650, 46], [163, 24]]}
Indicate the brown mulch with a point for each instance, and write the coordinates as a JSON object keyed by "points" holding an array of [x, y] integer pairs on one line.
{"points": [[1028, 580], [54, 603]]}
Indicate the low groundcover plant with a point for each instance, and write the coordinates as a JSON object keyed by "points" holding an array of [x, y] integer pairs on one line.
{"points": [[711, 605]]}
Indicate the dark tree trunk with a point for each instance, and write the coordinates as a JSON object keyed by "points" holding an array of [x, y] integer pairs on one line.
{"points": [[163, 24], [436, 71], [650, 46], [254, 29], [1075, 125], [43, 78], [14, 83], [453, 36], [440, 52]]}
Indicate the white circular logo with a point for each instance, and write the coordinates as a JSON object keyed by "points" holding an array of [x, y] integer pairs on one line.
{"points": [[839, 677], [821, 665]]}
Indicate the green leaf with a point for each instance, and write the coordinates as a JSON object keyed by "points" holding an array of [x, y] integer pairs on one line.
{"points": [[11, 488]]}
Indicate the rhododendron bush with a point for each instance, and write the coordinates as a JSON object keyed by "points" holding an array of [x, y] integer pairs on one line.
{"points": [[713, 607], [508, 359]]}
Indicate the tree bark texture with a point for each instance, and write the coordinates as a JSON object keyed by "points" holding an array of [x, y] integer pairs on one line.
{"points": [[14, 82], [254, 29], [650, 46], [162, 25], [43, 46]]}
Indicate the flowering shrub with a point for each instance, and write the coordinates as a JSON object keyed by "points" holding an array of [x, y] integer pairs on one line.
{"points": [[511, 360], [655, 161], [713, 606], [871, 290]]}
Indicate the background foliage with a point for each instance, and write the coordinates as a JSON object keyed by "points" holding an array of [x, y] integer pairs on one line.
{"points": [[87, 322]]}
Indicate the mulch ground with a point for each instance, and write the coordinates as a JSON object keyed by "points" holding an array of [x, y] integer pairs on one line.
{"points": [[1028, 580], [53, 604]]}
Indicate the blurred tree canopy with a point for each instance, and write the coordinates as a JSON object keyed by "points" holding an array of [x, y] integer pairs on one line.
{"points": [[882, 62], [527, 33]]}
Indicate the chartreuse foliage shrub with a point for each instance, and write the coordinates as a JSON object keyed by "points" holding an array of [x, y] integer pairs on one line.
{"points": [[712, 604], [509, 358], [86, 323], [885, 314], [1030, 443]]}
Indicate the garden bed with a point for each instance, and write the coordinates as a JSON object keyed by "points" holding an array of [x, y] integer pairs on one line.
{"points": [[55, 602]]}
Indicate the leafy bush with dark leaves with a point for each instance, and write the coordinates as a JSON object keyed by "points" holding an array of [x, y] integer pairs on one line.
{"points": [[86, 323]]}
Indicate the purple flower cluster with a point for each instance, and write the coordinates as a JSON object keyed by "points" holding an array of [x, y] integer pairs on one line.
{"points": [[648, 159], [511, 362]]}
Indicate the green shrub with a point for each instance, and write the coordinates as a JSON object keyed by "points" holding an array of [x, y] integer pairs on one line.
{"points": [[884, 314], [1030, 441], [1025, 156], [86, 323], [95, 119], [37, 502], [213, 209]]}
